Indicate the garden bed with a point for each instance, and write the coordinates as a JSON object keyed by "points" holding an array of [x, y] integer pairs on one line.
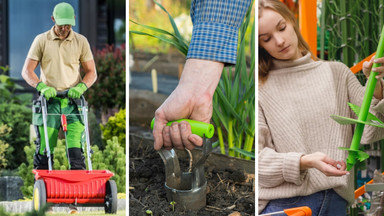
{"points": [[230, 181]]}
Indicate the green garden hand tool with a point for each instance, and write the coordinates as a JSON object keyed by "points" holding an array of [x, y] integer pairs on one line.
{"points": [[187, 189], [364, 116], [199, 128]]}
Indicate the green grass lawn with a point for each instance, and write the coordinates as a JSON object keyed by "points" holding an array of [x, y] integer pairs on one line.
{"points": [[91, 213]]}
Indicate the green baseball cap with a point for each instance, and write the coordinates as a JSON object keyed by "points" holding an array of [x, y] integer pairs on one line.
{"points": [[64, 14]]}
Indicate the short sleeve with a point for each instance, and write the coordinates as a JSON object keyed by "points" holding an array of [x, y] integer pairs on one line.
{"points": [[36, 50], [215, 29], [86, 53]]}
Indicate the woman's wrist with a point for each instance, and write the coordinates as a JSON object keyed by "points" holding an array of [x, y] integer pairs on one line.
{"points": [[304, 162], [378, 93]]}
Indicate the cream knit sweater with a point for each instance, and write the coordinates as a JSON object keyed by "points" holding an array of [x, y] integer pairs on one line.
{"points": [[295, 105]]}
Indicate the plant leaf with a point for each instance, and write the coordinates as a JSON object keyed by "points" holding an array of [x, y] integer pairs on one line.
{"points": [[161, 31], [243, 152], [167, 40], [174, 26]]}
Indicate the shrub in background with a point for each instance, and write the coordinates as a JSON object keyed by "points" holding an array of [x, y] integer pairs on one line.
{"points": [[8, 88], [115, 127], [4, 130], [94, 130], [108, 92], [17, 117], [60, 162], [112, 159], [25, 171]]}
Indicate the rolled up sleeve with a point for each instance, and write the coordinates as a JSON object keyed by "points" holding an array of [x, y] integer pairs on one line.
{"points": [[216, 25]]}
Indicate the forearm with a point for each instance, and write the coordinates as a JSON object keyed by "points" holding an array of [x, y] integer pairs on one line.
{"points": [[89, 79], [90, 76], [28, 73], [31, 78], [200, 77]]}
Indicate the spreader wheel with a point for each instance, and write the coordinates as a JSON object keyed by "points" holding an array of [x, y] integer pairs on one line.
{"points": [[39, 195], [110, 202]]}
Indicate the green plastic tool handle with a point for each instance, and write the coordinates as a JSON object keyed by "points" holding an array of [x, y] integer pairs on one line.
{"points": [[370, 87], [198, 128]]}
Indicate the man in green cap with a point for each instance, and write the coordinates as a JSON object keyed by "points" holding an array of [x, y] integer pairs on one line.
{"points": [[60, 51]]}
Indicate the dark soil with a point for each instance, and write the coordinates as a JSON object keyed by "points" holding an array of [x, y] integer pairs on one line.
{"points": [[229, 191]]}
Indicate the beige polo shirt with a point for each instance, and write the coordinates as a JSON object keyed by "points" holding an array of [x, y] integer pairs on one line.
{"points": [[60, 59]]}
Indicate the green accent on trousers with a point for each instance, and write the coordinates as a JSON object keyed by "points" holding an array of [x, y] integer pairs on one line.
{"points": [[75, 127]]}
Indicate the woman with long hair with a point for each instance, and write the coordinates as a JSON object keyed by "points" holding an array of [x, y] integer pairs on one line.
{"points": [[299, 163]]}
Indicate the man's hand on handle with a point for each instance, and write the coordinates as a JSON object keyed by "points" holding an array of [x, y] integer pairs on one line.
{"points": [[77, 91], [192, 99], [47, 91]]}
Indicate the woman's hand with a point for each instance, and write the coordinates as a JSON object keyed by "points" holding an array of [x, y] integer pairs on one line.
{"points": [[367, 68], [325, 164]]}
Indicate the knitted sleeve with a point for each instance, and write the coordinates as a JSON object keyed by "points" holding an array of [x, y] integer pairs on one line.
{"points": [[276, 168], [356, 94], [215, 29]]}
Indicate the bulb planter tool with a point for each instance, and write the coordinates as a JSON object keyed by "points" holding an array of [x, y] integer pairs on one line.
{"points": [[187, 189], [364, 116]]}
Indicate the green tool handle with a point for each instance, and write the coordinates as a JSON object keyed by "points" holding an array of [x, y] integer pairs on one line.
{"points": [[370, 88], [198, 128], [371, 84]]}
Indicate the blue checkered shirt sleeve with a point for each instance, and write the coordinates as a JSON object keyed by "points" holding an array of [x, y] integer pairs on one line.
{"points": [[216, 25]]}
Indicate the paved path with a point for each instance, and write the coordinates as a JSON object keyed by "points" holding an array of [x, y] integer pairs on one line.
{"points": [[143, 81]]}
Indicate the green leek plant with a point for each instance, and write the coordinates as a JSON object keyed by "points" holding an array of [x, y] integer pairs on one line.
{"points": [[175, 39], [234, 98], [234, 101]]}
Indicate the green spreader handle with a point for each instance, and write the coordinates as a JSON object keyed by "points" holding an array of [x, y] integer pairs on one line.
{"points": [[370, 87], [198, 128]]}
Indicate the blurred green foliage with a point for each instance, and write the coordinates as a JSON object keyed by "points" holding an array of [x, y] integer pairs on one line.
{"points": [[18, 117], [4, 130], [41, 212], [15, 115], [115, 127], [145, 12], [112, 159], [94, 130], [25, 170], [108, 92], [8, 88]]}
